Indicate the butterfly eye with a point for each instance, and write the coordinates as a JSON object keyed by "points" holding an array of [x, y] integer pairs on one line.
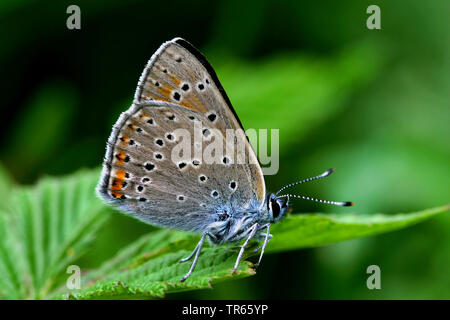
{"points": [[275, 208]]}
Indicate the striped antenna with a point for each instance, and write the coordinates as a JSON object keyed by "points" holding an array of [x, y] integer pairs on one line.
{"points": [[323, 175], [337, 203]]}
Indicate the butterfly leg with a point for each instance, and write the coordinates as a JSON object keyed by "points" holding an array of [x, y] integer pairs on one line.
{"points": [[189, 257], [196, 251], [257, 249], [241, 252], [266, 240]]}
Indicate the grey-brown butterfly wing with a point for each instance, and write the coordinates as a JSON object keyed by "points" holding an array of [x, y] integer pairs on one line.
{"points": [[141, 176], [180, 74]]}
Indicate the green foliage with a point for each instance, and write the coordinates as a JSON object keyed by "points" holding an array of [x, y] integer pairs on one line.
{"points": [[312, 230], [371, 103], [46, 228], [150, 268]]}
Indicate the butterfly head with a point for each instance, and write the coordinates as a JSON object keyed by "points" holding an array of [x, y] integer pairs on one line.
{"points": [[276, 208]]}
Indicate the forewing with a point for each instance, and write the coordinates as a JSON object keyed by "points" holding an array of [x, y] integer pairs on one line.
{"points": [[180, 74]]}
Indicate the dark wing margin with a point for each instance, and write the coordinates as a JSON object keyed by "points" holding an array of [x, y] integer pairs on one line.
{"points": [[200, 57]]}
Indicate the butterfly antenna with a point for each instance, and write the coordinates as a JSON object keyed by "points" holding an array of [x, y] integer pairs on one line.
{"points": [[337, 203], [323, 175]]}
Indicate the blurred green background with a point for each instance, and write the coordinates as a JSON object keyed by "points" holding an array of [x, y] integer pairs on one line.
{"points": [[374, 104]]}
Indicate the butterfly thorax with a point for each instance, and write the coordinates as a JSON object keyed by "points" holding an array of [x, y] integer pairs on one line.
{"points": [[234, 225], [234, 228]]}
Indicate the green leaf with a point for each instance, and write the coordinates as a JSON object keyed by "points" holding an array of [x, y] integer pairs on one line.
{"points": [[43, 230], [149, 267], [313, 230], [46, 228]]}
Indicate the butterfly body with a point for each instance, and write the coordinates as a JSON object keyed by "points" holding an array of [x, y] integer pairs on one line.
{"points": [[178, 157]]}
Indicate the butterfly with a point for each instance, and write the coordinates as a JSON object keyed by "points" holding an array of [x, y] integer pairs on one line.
{"points": [[224, 200]]}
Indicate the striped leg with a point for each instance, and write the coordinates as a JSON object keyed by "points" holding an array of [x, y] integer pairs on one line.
{"points": [[196, 251], [241, 252], [266, 240]]}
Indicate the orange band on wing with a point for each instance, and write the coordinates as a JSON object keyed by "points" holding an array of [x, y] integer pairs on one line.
{"points": [[120, 174], [124, 140], [116, 195], [175, 80], [117, 184], [121, 157]]}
